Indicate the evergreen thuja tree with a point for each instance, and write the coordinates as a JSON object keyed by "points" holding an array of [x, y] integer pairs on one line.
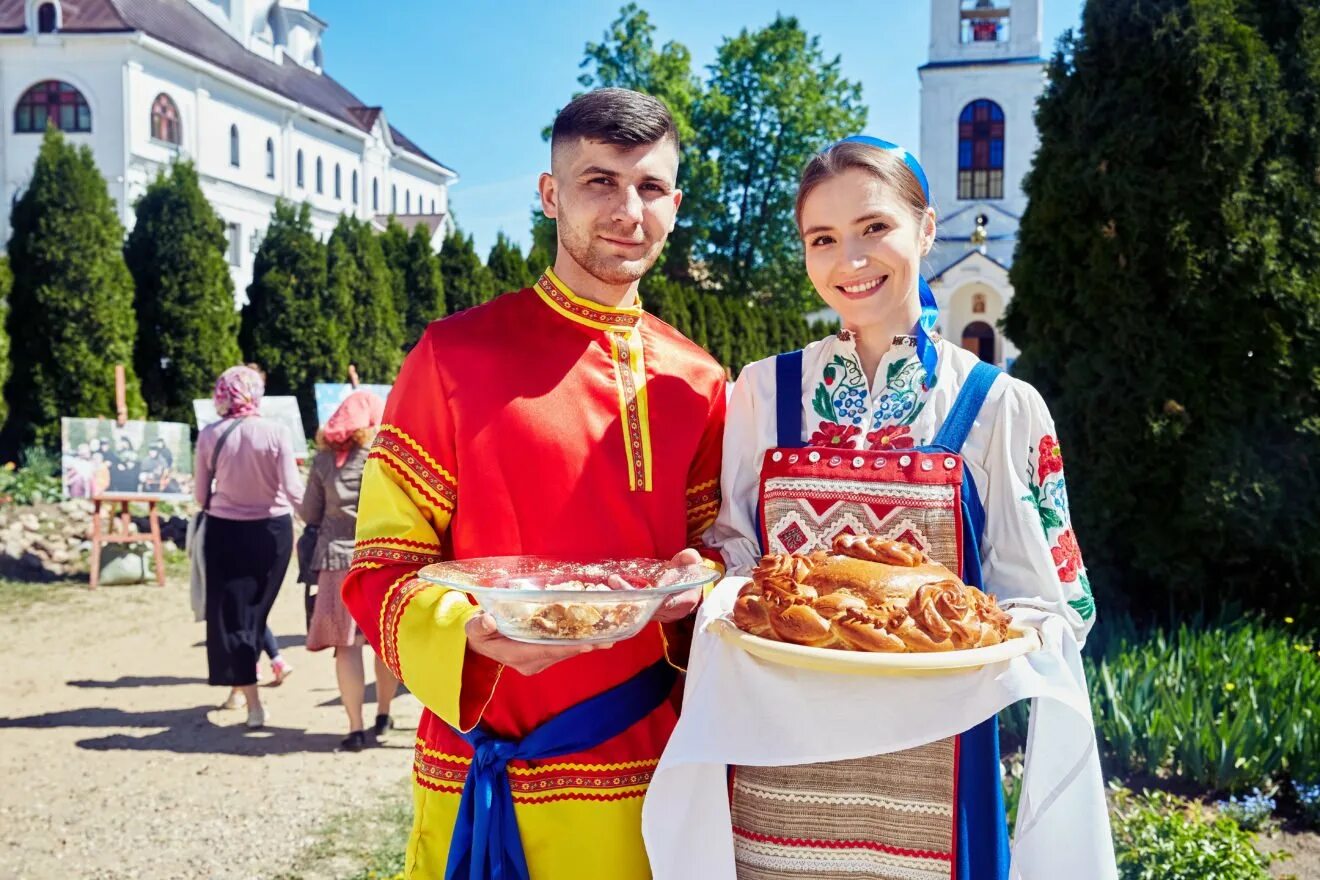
{"points": [[357, 274], [507, 266], [292, 327], [467, 282], [71, 315], [1167, 282], [184, 295], [394, 244], [6, 283], [424, 283]]}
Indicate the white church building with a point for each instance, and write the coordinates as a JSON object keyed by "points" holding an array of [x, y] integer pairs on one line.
{"points": [[237, 86], [978, 138]]}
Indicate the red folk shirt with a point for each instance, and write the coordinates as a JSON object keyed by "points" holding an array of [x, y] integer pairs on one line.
{"points": [[538, 423]]}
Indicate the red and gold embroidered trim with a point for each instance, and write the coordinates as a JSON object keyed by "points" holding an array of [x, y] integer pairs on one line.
{"points": [[621, 326], [584, 311], [395, 551], [630, 379], [551, 782], [394, 448], [397, 597]]}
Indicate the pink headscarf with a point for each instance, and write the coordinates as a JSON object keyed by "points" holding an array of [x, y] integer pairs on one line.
{"points": [[238, 392], [361, 409]]}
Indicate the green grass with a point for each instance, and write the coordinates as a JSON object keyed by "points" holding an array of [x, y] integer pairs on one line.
{"points": [[359, 845], [16, 596], [19, 595]]}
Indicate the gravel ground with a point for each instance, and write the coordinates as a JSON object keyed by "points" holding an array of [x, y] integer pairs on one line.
{"points": [[115, 763]]}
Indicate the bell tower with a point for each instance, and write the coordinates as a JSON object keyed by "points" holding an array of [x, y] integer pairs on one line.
{"points": [[978, 136]]}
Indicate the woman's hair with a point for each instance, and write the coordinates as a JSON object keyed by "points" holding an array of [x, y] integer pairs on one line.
{"points": [[885, 165], [362, 437]]}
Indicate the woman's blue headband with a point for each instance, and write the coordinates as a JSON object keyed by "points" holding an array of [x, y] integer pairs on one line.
{"points": [[929, 310]]}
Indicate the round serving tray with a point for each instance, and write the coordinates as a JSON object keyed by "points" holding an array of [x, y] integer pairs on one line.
{"points": [[876, 663]]}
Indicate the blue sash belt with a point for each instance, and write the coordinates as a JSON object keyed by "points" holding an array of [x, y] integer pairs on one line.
{"points": [[486, 844]]}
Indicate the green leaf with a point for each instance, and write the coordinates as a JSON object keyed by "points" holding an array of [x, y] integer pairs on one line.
{"points": [[1050, 519], [823, 404]]}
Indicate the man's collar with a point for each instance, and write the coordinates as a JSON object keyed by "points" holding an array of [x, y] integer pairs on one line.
{"points": [[583, 311]]}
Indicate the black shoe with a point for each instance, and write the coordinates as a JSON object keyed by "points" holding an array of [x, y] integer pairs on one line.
{"points": [[354, 742], [383, 723]]}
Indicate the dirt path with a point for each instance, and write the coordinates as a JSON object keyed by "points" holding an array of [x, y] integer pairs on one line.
{"points": [[116, 765]]}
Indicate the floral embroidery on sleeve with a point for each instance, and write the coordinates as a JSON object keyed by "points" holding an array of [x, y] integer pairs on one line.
{"points": [[1049, 497]]}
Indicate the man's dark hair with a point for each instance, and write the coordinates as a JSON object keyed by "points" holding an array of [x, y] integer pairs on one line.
{"points": [[620, 117]]}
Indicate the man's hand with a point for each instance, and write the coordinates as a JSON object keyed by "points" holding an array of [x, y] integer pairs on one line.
{"points": [[484, 639], [679, 605]]}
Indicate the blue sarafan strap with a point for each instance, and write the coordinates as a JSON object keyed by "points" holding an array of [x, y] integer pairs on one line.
{"points": [[930, 313], [958, 423], [788, 400], [951, 437]]}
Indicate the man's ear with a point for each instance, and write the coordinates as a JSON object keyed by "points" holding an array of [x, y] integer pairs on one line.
{"points": [[678, 201], [548, 187]]}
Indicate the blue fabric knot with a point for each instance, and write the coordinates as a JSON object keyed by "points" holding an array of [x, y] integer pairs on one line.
{"points": [[486, 844]]}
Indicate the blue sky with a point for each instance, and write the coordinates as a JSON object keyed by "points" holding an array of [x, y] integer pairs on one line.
{"points": [[474, 83]]}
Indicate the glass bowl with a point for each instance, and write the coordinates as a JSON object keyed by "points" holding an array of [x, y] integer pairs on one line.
{"points": [[548, 601]]}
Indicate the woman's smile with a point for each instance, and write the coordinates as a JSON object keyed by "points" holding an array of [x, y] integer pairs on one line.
{"points": [[862, 289]]}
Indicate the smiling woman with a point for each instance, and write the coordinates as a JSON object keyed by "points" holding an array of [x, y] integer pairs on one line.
{"points": [[908, 438]]}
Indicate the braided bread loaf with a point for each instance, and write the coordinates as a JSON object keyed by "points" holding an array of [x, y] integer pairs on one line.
{"points": [[868, 595]]}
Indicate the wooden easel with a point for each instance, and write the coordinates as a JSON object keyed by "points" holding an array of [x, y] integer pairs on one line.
{"points": [[123, 535]]}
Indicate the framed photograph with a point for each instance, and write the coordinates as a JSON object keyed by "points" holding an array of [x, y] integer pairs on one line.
{"points": [[151, 459], [330, 395], [281, 409]]}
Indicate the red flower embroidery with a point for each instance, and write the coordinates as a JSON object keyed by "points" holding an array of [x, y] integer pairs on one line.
{"points": [[1051, 458], [830, 434], [1067, 556], [895, 437]]}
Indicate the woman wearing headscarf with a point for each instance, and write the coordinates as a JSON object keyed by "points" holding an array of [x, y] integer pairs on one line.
{"points": [[252, 492], [331, 505]]}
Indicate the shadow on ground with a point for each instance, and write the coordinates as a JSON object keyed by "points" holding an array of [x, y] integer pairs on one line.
{"points": [[191, 731], [135, 681]]}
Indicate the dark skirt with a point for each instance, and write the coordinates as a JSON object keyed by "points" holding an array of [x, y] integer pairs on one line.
{"points": [[245, 564]]}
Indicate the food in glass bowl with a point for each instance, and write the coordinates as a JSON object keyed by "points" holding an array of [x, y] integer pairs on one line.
{"points": [[544, 600]]}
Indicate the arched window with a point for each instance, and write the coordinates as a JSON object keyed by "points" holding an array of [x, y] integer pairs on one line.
{"points": [[407, 201], [432, 206], [233, 145], [375, 194], [270, 158], [48, 19], [981, 151], [165, 120], [355, 200], [301, 178], [320, 175], [54, 102], [339, 190], [394, 199]]}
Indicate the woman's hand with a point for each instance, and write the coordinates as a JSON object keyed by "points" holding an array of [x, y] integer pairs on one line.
{"points": [[679, 605]]}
